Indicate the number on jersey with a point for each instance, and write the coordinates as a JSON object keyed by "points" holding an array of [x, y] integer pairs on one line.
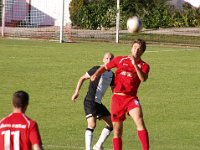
{"points": [[7, 139]]}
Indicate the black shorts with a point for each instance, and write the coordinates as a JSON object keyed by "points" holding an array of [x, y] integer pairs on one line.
{"points": [[95, 109]]}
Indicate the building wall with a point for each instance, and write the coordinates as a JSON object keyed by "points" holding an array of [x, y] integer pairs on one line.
{"points": [[37, 12], [15, 10], [49, 9], [178, 3]]}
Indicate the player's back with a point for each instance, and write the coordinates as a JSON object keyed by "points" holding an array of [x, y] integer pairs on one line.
{"points": [[15, 132]]}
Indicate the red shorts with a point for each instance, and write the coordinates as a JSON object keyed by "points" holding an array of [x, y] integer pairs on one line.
{"points": [[122, 104]]}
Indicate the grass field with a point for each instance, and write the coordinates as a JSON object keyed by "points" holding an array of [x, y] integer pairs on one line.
{"points": [[49, 72]]}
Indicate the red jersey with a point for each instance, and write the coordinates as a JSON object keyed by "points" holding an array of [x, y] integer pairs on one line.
{"points": [[126, 80], [18, 132]]}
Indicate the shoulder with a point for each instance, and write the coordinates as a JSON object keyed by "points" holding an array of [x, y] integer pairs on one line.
{"points": [[144, 66], [120, 58], [3, 119], [144, 63], [29, 121], [109, 73], [6, 118], [94, 68]]}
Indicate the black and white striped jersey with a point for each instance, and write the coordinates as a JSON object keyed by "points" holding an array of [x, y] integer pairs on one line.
{"points": [[97, 88]]}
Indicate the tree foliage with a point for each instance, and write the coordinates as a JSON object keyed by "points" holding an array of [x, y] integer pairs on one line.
{"points": [[93, 14]]}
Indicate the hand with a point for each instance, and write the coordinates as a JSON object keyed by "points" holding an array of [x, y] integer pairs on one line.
{"points": [[132, 60], [74, 97], [93, 77]]}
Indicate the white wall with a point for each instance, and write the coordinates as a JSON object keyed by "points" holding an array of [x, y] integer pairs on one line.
{"points": [[15, 11], [43, 12], [195, 3], [178, 3], [50, 12]]}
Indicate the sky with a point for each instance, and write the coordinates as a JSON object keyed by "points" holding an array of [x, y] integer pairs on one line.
{"points": [[195, 3]]}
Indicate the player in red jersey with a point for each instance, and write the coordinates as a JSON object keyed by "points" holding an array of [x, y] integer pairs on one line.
{"points": [[17, 131], [130, 72]]}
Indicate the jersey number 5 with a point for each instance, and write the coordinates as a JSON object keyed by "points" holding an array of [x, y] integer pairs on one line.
{"points": [[7, 135]]}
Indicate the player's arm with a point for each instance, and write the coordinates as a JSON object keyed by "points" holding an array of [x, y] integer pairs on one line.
{"points": [[99, 71], [112, 82], [37, 147], [79, 84], [142, 75], [35, 137]]}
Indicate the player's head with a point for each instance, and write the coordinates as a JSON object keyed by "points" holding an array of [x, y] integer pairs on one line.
{"points": [[107, 57], [138, 48], [20, 100]]}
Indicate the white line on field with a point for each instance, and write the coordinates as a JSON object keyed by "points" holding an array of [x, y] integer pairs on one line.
{"points": [[63, 147], [168, 50], [66, 147]]}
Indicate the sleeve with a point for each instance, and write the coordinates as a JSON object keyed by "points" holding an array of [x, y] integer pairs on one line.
{"points": [[113, 63], [113, 79], [92, 70], [145, 68], [34, 134]]}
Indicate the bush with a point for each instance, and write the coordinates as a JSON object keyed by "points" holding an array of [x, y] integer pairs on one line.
{"points": [[186, 17], [153, 13], [93, 14], [75, 6]]}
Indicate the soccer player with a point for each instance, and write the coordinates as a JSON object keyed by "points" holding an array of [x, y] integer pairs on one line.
{"points": [[130, 72], [17, 131], [94, 109]]}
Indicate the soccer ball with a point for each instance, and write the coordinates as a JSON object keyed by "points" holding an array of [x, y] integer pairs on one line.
{"points": [[134, 24]]}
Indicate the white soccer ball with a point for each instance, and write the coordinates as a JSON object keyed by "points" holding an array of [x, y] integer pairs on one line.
{"points": [[134, 24]]}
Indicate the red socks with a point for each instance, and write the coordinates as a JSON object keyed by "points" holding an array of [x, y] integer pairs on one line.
{"points": [[143, 136], [144, 139], [117, 143]]}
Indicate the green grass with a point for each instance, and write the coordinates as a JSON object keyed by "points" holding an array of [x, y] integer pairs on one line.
{"points": [[164, 38], [50, 71], [159, 39]]}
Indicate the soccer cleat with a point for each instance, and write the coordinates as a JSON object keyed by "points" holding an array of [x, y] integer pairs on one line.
{"points": [[97, 148]]}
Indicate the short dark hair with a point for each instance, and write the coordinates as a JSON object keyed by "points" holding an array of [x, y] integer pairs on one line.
{"points": [[142, 44], [20, 99]]}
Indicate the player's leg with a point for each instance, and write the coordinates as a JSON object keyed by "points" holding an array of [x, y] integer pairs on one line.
{"points": [[104, 134], [118, 116], [117, 138], [91, 121], [137, 116], [90, 113], [104, 114]]}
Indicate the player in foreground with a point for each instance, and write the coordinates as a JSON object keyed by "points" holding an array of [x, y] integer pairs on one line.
{"points": [[17, 131], [130, 71], [94, 109]]}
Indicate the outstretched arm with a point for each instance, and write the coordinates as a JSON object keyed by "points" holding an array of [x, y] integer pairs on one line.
{"points": [[99, 71], [78, 87]]}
